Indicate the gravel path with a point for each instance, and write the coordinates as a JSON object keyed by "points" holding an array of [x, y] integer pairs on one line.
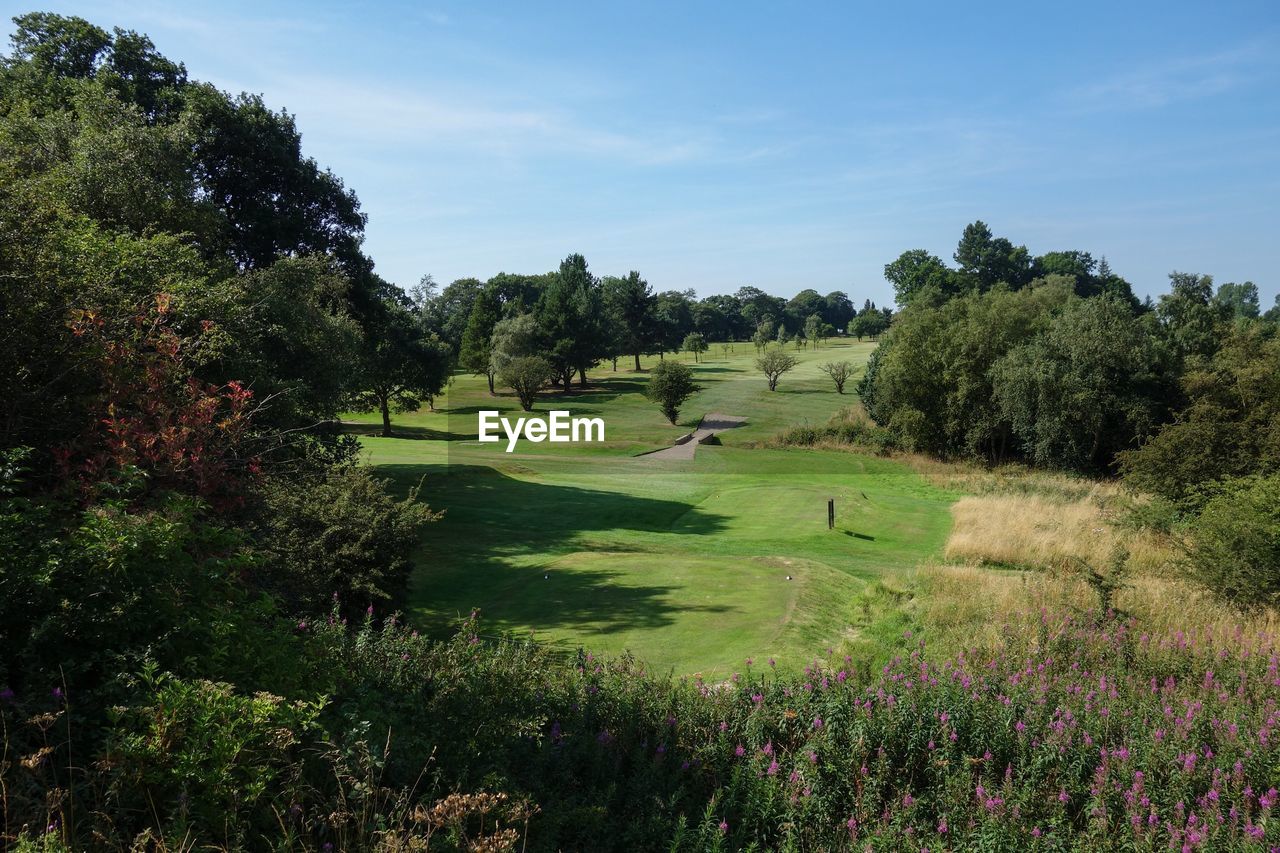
{"points": [[711, 424]]}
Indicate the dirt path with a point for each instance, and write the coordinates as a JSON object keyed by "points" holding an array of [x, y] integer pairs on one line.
{"points": [[711, 424]]}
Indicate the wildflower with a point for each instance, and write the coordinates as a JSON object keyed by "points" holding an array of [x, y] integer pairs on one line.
{"points": [[817, 722], [907, 801], [772, 662], [724, 826], [739, 750], [813, 757], [1035, 832], [773, 768], [57, 693], [942, 827], [757, 698], [724, 727], [748, 661], [7, 695], [1062, 796], [662, 747]]}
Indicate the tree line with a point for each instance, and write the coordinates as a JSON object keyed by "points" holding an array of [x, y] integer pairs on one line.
{"points": [[1052, 361]]}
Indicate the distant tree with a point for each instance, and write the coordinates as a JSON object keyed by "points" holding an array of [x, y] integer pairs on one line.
{"points": [[670, 385], [569, 315], [775, 363], [837, 310], [401, 363], [783, 335], [1273, 314], [476, 354], [673, 311], [526, 375], [916, 272], [632, 302], [763, 334], [839, 371], [709, 320], [694, 343], [813, 328], [1191, 320], [1239, 301], [986, 261], [1084, 390], [513, 338], [1229, 426]]}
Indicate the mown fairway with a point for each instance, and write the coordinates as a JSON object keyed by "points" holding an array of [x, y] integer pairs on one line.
{"points": [[683, 563]]}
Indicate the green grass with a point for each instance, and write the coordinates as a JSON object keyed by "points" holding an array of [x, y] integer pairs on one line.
{"points": [[684, 564]]}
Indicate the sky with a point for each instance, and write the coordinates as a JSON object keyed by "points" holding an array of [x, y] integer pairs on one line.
{"points": [[784, 146]]}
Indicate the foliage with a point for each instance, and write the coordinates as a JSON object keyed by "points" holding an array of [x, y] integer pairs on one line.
{"points": [[476, 349], [336, 535], [670, 385], [695, 343], [1236, 541], [526, 375], [1229, 427], [839, 371], [402, 363], [773, 364]]}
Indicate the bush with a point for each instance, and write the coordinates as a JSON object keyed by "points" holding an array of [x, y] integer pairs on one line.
{"points": [[1236, 541], [670, 384], [338, 535], [526, 374]]}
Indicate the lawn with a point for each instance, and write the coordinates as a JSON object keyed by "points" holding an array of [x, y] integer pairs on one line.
{"points": [[693, 565]]}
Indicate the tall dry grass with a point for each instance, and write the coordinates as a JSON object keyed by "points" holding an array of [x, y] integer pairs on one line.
{"points": [[1023, 538]]}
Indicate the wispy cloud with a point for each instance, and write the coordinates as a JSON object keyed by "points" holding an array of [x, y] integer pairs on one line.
{"points": [[1187, 78]]}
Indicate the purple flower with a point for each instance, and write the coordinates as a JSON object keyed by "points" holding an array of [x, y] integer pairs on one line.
{"points": [[817, 722], [739, 750]]}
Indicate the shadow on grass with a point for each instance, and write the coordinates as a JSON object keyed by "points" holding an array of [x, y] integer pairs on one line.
{"points": [[414, 433], [493, 519]]}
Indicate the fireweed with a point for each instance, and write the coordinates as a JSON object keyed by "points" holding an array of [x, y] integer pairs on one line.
{"points": [[1082, 733]]}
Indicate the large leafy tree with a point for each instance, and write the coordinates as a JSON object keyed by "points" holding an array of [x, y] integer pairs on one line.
{"points": [[986, 260], [401, 363], [631, 302], [1229, 426], [1192, 322], [1086, 389], [916, 272]]}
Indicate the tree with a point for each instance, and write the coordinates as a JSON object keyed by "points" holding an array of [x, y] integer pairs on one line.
{"points": [[839, 371], [476, 352], [670, 385], [1239, 301], [837, 310], [813, 328], [632, 302], [775, 363], [1236, 541], [916, 272], [401, 363], [1084, 390], [673, 312], [1229, 426], [569, 314], [526, 375], [1191, 320], [512, 338], [694, 343], [762, 335], [986, 261]]}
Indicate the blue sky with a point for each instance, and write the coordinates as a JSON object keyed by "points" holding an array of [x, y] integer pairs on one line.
{"points": [[712, 145]]}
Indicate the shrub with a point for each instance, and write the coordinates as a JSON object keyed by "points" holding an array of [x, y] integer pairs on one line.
{"points": [[338, 535], [526, 374], [670, 384], [1236, 541], [775, 363], [839, 371]]}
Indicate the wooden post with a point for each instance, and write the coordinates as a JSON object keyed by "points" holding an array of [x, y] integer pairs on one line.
{"points": [[831, 513]]}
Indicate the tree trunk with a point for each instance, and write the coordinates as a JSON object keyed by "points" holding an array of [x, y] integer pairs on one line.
{"points": [[386, 417], [615, 364], [582, 377], [637, 362], [490, 375]]}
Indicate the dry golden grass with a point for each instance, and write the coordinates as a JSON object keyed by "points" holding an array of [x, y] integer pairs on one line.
{"points": [[1063, 528]]}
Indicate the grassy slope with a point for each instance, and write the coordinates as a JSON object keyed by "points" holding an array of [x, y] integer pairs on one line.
{"points": [[684, 564]]}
